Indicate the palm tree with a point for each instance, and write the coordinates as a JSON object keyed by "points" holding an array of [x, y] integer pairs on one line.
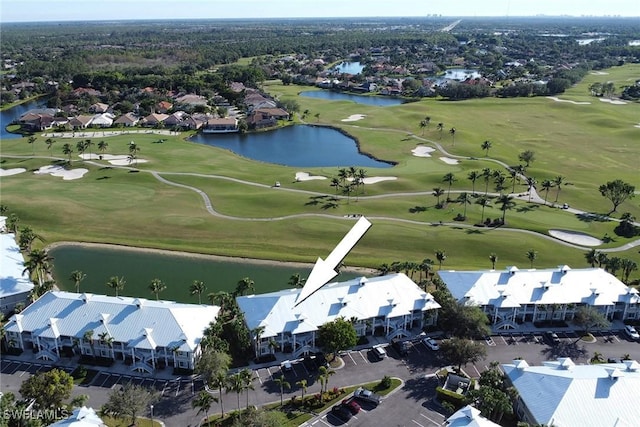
{"points": [[558, 181], [473, 177], [440, 127], [32, 141], [546, 186], [88, 337], [282, 383], [514, 176], [628, 266], [295, 281], [27, 237], [486, 174], [531, 182], [592, 257], [116, 283], [243, 286], [603, 258], [486, 146], [323, 377], [499, 179], [156, 286], [197, 288], [465, 199], [361, 174], [450, 179], [76, 277], [441, 256], [81, 146], [88, 144], [423, 125], [484, 202], [246, 375], [335, 183], [219, 381], [452, 132], [49, 142], [235, 383], [67, 150], [425, 267], [303, 388], [222, 299], [613, 265], [38, 265], [506, 203], [531, 256], [437, 192], [203, 401], [493, 258], [102, 146]]}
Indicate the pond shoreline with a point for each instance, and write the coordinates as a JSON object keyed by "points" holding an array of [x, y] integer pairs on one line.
{"points": [[240, 260]]}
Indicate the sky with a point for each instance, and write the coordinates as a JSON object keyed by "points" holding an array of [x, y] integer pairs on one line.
{"points": [[89, 10]]}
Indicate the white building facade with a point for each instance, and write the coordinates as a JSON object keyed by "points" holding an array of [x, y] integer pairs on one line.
{"points": [[15, 284]]}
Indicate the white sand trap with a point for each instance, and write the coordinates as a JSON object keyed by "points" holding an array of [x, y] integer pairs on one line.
{"points": [[116, 160], [554, 98], [613, 101], [9, 172], [598, 73], [449, 160], [65, 174], [375, 179], [637, 126], [422, 151], [575, 237], [354, 118], [304, 176]]}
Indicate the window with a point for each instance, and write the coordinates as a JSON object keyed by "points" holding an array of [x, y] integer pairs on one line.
{"points": [[182, 364]]}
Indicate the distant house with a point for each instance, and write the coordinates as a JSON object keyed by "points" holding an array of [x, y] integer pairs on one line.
{"points": [[221, 125], [80, 122], [561, 393], [175, 119], [99, 107], [194, 122], [127, 120], [388, 305], [81, 91], [103, 120], [15, 284], [237, 87], [154, 119], [276, 113], [36, 122], [142, 334], [163, 106], [256, 120], [191, 99], [513, 296]]}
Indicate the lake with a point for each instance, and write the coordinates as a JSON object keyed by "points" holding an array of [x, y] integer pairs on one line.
{"points": [[349, 68], [8, 116], [376, 100], [296, 146], [177, 271]]}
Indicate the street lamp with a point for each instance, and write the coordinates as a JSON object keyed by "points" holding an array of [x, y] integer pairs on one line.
{"points": [[151, 407]]}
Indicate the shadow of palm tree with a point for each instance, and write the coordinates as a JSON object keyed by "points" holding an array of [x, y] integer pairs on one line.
{"points": [[566, 349], [327, 206], [474, 231], [417, 209]]}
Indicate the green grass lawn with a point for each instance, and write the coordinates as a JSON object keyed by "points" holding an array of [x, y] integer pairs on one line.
{"points": [[587, 144]]}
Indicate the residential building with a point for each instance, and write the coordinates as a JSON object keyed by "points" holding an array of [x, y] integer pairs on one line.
{"points": [[276, 113], [15, 284], [81, 417], [221, 125], [154, 119], [103, 120], [127, 120], [99, 108], [80, 122], [163, 107], [561, 393], [513, 296], [388, 305], [468, 417], [141, 333]]}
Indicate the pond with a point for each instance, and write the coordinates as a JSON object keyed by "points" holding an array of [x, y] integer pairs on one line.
{"points": [[349, 68], [177, 271], [8, 116], [376, 101], [296, 146]]}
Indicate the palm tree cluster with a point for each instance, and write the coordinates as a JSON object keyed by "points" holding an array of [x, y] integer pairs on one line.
{"points": [[410, 268], [38, 266], [612, 265], [348, 181]]}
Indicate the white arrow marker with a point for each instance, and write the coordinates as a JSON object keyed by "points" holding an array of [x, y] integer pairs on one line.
{"points": [[323, 271]]}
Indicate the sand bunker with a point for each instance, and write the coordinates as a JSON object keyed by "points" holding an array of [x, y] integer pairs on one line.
{"points": [[422, 151], [65, 174], [449, 160], [375, 179], [637, 126], [575, 237], [116, 160], [566, 100], [304, 176], [598, 73], [9, 172], [613, 101], [354, 118]]}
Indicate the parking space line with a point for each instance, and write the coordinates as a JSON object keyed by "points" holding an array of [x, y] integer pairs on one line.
{"points": [[352, 359], [178, 388], [363, 358], [417, 422], [476, 369], [433, 421], [15, 367]]}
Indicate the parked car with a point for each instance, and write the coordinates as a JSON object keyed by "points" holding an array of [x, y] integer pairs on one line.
{"points": [[631, 332], [366, 395], [431, 343], [310, 363], [352, 405], [341, 412], [286, 366], [552, 337], [379, 351], [402, 347]]}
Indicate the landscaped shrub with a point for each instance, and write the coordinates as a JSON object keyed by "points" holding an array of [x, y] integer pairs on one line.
{"points": [[384, 383], [455, 399]]}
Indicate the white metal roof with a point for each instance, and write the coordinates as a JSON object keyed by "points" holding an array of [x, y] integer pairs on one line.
{"points": [[469, 417], [81, 417], [565, 394], [388, 296], [12, 281], [139, 322], [513, 287]]}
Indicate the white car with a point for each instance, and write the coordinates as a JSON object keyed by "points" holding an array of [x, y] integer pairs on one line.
{"points": [[631, 332], [431, 343]]}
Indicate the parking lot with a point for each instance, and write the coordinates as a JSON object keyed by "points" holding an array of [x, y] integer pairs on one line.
{"points": [[21, 369]]}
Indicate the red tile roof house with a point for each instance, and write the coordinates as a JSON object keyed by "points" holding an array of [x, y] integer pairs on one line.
{"points": [[163, 106], [257, 120]]}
